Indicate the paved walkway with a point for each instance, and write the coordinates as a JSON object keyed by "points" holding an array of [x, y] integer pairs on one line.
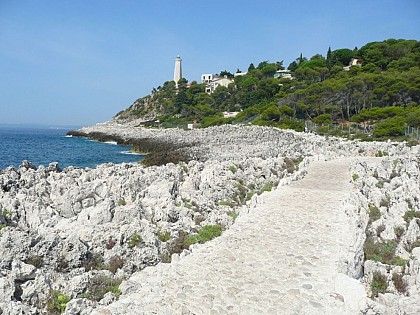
{"points": [[281, 258]]}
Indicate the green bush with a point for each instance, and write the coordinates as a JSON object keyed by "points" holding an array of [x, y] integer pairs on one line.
{"points": [[374, 214], [267, 187], [382, 252], [164, 236], [226, 203], [379, 284], [233, 169], [134, 240], [232, 214], [121, 202], [399, 283], [115, 263], [36, 261], [410, 214], [381, 153], [93, 262], [57, 302], [323, 119], [99, 285], [207, 233], [390, 127]]}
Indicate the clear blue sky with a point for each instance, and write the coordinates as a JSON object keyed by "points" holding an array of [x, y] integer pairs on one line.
{"points": [[78, 62]]}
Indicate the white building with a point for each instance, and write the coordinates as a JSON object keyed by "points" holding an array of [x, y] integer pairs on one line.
{"points": [[177, 70], [213, 81], [353, 62], [286, 74]]}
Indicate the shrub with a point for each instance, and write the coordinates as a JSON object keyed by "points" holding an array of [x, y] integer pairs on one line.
{"points": [[399, 231], [7, 213], [399, 283], [166, 258], [164, 236], [62, 264], [382, 252], [208, 232], [227, 203], [233, 169], [380, 184], [381, 153], [323, 119], [134, 240], [354, 176], [94, 261], [111, 243], [410, 214], [180, 243], [413, 245], [267, 187], [380, 229], [99, 285], [374, 214], [290, 165], [379, 284], [36, 261], [390, 127], [57, 302], [242, 191], [121, 202], [115, 263], [385, 202], [232, 214]]}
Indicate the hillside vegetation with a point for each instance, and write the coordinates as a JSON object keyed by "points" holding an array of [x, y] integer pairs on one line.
{"points": [[383, 93]]}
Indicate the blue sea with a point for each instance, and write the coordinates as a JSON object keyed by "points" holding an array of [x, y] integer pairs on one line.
{"points": [[41, 146]]}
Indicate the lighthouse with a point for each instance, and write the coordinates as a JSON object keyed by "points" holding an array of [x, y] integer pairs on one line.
{"points": [[177, 70]]}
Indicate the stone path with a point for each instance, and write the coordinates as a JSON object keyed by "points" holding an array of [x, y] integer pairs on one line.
{"points": [[281, 258]]}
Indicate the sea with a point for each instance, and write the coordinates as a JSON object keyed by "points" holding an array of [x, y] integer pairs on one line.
{"points": [[44, 145]]}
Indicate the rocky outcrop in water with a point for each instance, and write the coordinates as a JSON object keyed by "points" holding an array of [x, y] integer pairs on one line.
{"points": [[69, 237]]}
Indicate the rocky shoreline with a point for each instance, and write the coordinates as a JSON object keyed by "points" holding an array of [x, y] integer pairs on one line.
{"points": [[73, 235]]}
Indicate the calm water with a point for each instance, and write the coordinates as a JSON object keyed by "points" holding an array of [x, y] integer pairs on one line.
{"points": [[43, 146]]}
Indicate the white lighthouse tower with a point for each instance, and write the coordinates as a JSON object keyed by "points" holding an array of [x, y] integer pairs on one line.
{"points": [[177, 70]]}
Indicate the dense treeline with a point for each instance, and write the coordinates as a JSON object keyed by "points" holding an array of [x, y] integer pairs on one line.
{"points": [[384, 89]]}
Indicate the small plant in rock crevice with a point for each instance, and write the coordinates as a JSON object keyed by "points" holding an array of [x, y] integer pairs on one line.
{"points": [[207, 233], [379, 284], [233, 169], [110, 243], [121, 202], [380, 229], [99, 285], [399, 232], [226, 203], [382, 252], [36, 261], [374, 214], [385, 202], [399, 283], [134, 240], [411, 214], [164, 236], [232, 214], [57, 302], [115, 263]]}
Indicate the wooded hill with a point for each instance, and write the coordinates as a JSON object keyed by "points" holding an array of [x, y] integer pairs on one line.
{"points": [[383, 92]]}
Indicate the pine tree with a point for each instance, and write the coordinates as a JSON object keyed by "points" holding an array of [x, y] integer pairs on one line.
{"points": [[329, 60]]}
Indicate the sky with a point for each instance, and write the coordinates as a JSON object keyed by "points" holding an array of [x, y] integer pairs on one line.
{"points": [[78, 62]]}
